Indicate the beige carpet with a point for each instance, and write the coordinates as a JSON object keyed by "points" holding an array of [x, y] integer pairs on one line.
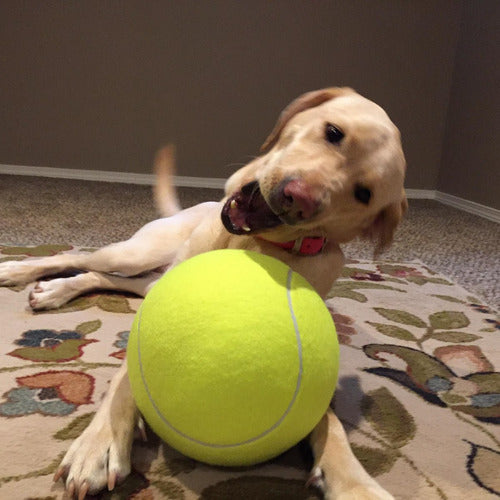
{"points": [[419, 391]]}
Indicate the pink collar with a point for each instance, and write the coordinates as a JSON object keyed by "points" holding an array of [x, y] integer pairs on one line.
{"points": [[308, 245]]}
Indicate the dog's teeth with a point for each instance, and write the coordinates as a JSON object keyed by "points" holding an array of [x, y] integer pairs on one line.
{"points": [[234, 204], [246, 228]]}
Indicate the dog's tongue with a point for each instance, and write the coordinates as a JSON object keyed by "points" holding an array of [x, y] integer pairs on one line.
{"points": [[247, 211]]}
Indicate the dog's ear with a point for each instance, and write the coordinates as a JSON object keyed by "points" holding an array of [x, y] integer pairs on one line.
{"points": [[303, 102], [382, 230]]}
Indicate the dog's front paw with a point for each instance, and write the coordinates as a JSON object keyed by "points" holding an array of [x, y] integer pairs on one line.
{"points": [[96, 460], [14, 273]]}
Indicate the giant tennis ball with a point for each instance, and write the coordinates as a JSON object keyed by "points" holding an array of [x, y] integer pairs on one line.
{"points": [[232, 357]]}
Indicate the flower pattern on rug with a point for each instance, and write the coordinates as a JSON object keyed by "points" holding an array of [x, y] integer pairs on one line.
{"points": [[476, 394], [121, 343], [50, 345], [343, 326], [438, 357], [416, 351], [53, 393], [459, 376]]}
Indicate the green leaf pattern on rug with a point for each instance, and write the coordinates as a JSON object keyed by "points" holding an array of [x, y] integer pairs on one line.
{"points": [[49, 469], [454, 337], [168, 489], [399, 270], [423, 280], [175, 466], [347, 290], [486, 382], [75, 427], [89, 327], [115, 303], [388, 417], [447, 298], [448, 321], [394, 427], [376, 461], [37, 251], [259, 487], [401, 317], [393, 331]]}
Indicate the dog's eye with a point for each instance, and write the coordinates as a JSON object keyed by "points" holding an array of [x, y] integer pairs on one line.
{"points": [[362, 194], [333, 134]]}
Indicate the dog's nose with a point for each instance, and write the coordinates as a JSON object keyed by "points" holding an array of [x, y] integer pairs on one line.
{"points": [[295, 200]]}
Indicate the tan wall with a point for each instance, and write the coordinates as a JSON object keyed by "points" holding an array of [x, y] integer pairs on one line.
{"points": [[471, 155], [100, 85]]}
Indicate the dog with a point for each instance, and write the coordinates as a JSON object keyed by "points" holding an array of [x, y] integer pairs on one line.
{"points": [[331, 170]]}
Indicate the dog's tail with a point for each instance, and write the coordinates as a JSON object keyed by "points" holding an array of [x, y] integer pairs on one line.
{"points": [[165, 194]]}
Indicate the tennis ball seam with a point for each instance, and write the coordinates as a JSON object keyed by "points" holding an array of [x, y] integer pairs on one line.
{"points": [[262, 434]]}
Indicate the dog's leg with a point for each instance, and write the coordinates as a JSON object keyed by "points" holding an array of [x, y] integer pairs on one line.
{"points": [[22, 272], [118, 257], [336, 470], [153, 246], [101, 455], [129, 258], [54, 293]]}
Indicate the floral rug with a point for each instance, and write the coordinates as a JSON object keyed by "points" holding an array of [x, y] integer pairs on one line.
{"points": [[418, 392]]}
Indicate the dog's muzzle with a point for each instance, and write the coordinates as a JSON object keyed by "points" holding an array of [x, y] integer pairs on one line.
{"points": [[247, 211], [290, 202]]}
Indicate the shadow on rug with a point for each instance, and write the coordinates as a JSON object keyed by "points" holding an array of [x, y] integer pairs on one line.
{"points": [[418, 392]]}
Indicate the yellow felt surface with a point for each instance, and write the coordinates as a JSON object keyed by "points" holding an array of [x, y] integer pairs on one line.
{"points": [[215, 363]]}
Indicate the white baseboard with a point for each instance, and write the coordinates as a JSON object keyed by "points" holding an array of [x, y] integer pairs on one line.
{"points": [[420, 194], [469, 206], [454, 201], [108, 176], [217, 183]]}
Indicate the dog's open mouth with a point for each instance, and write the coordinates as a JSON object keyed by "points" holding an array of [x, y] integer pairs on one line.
{"points": [[246, 211]]}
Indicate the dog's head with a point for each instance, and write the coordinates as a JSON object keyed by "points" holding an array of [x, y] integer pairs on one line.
{"points": [[333, 165]]}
